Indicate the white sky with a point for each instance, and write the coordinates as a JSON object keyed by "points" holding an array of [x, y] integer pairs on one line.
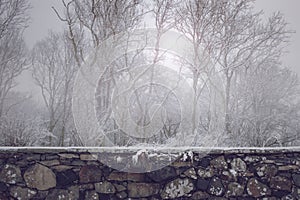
{"points": [[44, 19]]}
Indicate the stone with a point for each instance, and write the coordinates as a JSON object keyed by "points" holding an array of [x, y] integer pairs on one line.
{"points": [[68, 155], [50, 162], [91, 195], [3, 187], [190, 173], [58, 194], [163, 174], [200, 195], [204, 162], [177, 188], [88, 157], [205, 173], [119, 187], [90, 174], [40, 177], [121, 195], [219, 163], [10, 174], [238, 165], [202, 184], [105, 187], [296, 179], [257, 189], [73, 192], [66, 178], [288, 167], [234, 189], [60, 168], [33, 157], [138, 190], [266, 170], [4, 196], [122, 176], [216, 187], [281, 183], [22, 193]]}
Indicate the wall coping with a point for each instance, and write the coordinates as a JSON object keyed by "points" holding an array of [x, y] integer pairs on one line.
{"points": [[213, 150]]}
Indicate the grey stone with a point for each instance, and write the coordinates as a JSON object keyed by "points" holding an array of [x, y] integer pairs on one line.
{"points": [[163, 174], [205, 173], [216, 187], [59, 194], [119, 187], [266, 170], [10, 174], [219, 163], [50, 162], [105, 187], [91, 195], [121, 195], [202, 184], [40, 177], [22, 193], [68, 155], [138, 190], [296, 179], [88, 157], [235, 189], [238, 165], [66, 178], [257, 189], [190, 173], [177, 188], [3, 187]]}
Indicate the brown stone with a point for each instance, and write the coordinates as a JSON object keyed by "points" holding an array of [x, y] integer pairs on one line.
{"points": [[200, 195], [257, 189], [40, 177], [138, 190], [281, 183], [10, 174], [90, 174], [122, 176]]}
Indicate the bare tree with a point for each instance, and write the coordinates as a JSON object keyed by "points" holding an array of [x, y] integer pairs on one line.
{"points": [[90, 22], [54, 68], [13, 21]]}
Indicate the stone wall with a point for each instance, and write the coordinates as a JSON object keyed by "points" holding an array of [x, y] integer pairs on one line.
{"points": [[75, 174]]}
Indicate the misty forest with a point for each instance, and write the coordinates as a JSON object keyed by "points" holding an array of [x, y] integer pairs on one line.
{"points": [[241, 93]]}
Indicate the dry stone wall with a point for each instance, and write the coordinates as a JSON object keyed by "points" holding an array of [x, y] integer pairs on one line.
{"points": [[76, 174]]}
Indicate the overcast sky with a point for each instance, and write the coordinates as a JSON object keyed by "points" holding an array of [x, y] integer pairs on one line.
{"points": [[44, 19]]}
